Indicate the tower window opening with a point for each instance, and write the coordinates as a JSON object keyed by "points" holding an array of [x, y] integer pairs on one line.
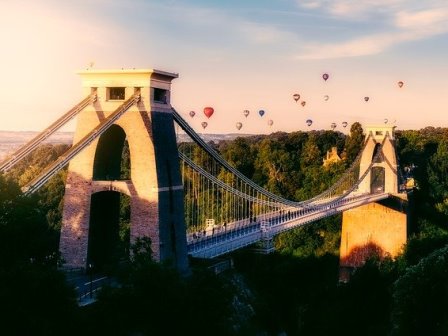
{"points": [[160, 95], [378, 132], [116, 93]]}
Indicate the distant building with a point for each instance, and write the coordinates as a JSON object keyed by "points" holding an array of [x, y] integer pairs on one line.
{"points": [[332, 157]]}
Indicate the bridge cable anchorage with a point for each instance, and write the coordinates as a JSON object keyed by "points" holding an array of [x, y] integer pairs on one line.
{"points": [[64, 159], [27, 148]]}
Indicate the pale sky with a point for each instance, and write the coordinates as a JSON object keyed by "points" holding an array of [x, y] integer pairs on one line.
{"points": [[235, 55]]}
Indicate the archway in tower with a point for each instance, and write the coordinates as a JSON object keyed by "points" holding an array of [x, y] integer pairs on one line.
{"points": [[112, 159], [377, 180], [109, 238], [377, 157]]}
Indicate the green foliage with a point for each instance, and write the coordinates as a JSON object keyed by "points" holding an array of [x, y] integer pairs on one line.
{"points": [[287, 289], [36, 298], [125, 165], [354, 142], [296, 289], [36, 301], [420, 296], [276, 164], [155, 300], [438, 176], [240, 154], [24, 233], [35, 162], [50, 196], [316, 240]]}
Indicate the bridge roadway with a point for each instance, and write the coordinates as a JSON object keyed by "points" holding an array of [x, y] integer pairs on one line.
{"points": [[243, 233]]}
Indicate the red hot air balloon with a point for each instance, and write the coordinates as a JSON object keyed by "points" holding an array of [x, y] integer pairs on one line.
{"points": [[326, 97], [309, 122], [208, 111], [246, 113], [303, 103], [296, 96], [400, 84], [204, 124], [344, 124], [192, 113], [333, 126], [325, 76], [366, 99]]}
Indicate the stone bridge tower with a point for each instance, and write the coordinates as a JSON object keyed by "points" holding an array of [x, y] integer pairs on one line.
{"points": [[154, 186], [376, 228], [383, 177]]}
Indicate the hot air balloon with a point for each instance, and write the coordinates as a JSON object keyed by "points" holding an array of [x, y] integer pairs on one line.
{"points": [[386, 120], [208, 111], [204, 124], [400, 84], [325, 76], [309, 122], [326, 97], [270, 122], [296, 96], [344, 124], [333, 126], [238, 125], [261, 113], [192, 113], [303, 103], [366, 99], [246, 113]]}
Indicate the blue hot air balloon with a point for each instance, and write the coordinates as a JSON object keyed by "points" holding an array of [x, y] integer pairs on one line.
{"points": [[261, 113]]}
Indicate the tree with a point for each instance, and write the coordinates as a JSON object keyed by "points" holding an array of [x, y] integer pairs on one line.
{"points": [[239, 153], [311, 155], [438, 176], [37, 299], [420, 296], [354, 142]]}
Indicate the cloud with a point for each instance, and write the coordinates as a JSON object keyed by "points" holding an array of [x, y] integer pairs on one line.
{"points": [[397, 25], [225, 23], [311, 4], [421, 19], [364, 46], [357, 47], [262, 33], [351, 9]]}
